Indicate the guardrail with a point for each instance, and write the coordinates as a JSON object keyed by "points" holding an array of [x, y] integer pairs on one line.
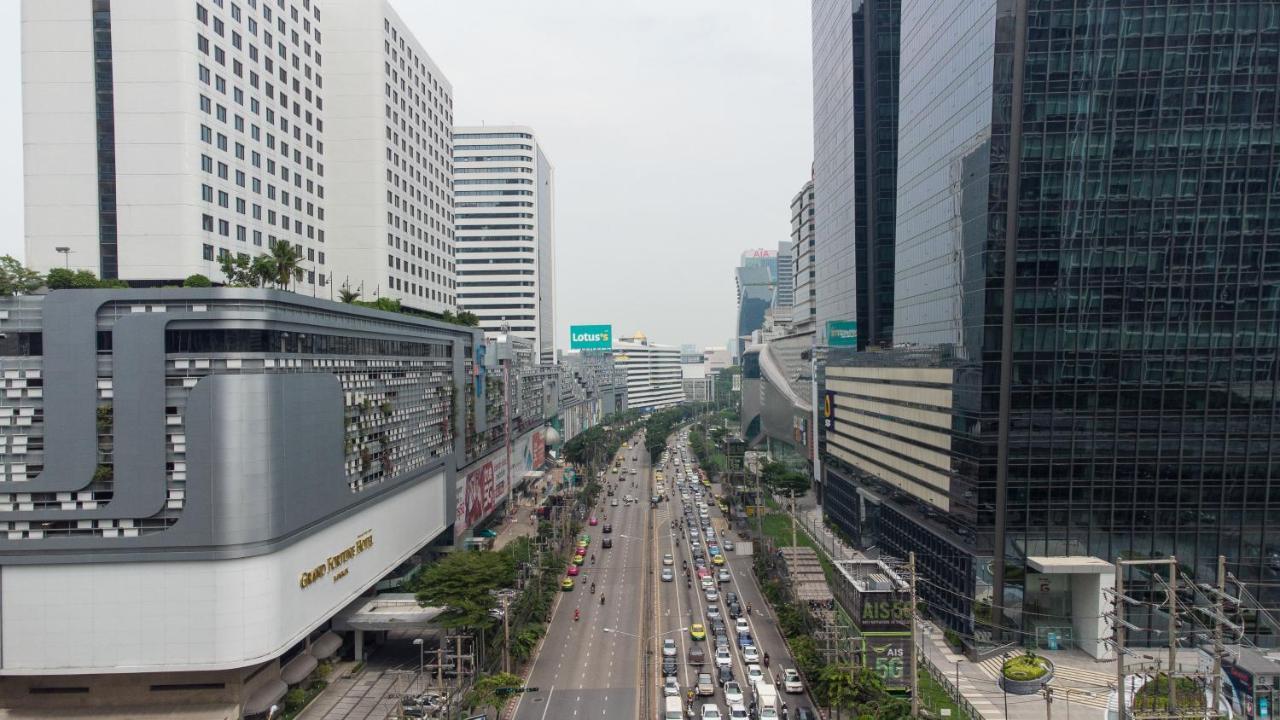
{"points": [[952, 691]]}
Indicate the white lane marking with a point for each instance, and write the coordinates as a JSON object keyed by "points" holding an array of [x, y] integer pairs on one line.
{"points": [[546, 707]]}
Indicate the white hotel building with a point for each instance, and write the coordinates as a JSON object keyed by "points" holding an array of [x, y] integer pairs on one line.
{"points": [[654, 376], [504, 192], [162, 135]]}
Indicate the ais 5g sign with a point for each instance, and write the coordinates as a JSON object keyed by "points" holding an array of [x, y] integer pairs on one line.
{"points": [[590, 337]]}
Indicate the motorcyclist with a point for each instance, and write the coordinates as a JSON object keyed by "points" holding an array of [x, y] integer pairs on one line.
{"points": [[593, 558], [575, 615], [593, 588], [602, 598], [766, 659]]}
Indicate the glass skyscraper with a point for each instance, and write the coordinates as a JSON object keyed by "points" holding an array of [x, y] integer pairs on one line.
{"points": [[1088, 217]]}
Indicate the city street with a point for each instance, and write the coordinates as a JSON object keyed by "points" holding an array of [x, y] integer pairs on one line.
{"points": [[591, 666]]}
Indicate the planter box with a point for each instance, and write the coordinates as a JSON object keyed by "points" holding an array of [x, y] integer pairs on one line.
{"points": [[1027, 687]]}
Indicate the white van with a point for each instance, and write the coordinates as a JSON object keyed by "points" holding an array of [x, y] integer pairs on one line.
{"points": [[673, 710]]}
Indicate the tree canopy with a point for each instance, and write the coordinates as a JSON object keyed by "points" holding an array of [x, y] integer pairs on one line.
{"points": [[460, 582], [16, 278]]}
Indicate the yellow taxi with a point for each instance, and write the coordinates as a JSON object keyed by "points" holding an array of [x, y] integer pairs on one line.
{"points": [[696, 631], [579, 559], [566, 584], [717, 559]]}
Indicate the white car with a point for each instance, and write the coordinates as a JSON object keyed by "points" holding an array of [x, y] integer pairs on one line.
{"points": [[724, 657], [723, 576], [668, 648], [613, 502], [671, 687], [738, 712], [751, 654], [791, 681], [710, 712], [712, 595], [741, 625], [754, 673], [732, 693], [668, 560], [707, 583]]}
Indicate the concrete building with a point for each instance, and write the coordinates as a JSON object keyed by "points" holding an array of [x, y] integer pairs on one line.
{"points": [[698, 384], [654, 379], [389, 159], [855, 128], [804, 294], [217, 472], [504, 187], [717, 358], [784, 292], [754, 280]]}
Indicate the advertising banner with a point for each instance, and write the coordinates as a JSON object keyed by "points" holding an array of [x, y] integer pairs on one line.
{"points": [[482, 485], [842, 333], [829, 409], [591, 337]]}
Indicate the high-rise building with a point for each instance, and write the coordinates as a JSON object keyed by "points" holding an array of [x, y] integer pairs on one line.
{"points": [[504, 189], [389, 121], [654, 378], [755, 279], [1085, 223], [235, 136], [784, 291], [855, 127], [804, 293], [162, 135]]}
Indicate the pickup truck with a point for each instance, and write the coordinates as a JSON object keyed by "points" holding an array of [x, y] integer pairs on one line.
{"points": [[705, 685]]}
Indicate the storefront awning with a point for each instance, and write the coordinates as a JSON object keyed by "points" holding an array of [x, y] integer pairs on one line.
{"points": [[264, 697], [297, 669], [327, 645]]}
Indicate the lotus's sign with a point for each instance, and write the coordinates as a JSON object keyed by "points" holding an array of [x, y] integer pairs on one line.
{"points": [[842, 333], [590, 337]]}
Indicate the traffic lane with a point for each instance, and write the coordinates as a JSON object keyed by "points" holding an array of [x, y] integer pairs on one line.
{"points": [[676, 611], [697, 599]]}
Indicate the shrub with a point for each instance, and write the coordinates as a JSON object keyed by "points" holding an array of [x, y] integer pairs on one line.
{"points": [[197, 281], [1025, 667]]}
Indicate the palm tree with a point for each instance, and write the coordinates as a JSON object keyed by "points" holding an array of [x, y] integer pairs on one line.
{"points": [[347, 295], [287, 262]]}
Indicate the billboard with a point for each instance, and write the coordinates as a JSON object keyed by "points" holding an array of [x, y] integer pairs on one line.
{"points": [[590, 337], [842, 333], [482, 485], [829, 409]]}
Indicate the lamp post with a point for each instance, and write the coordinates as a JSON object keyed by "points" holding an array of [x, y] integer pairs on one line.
{"points": [[421, 655], [272, 712], [66, 256]]}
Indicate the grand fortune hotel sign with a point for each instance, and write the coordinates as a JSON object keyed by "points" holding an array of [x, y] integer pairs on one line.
{"points": [[335, 564]]}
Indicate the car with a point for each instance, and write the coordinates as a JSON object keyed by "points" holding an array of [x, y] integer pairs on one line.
{"points": [[606, 543], [668, 575], [606, 529], [714, 550], [723, 656], [593, 521], [670, 687], [669, 667], [717, 559], [710, 712], [696, 655], [735, 610], [717, 627], [712, 595], [580, 550], [703, 572], [566, 584], [741, 625], [724, 674], [722, 640], [698, 631], [728, 546], [806, 713], [744, 639], [731, 597], [733, 693], [579, 559], [613, 502], [704, 686], [669, 648], [723, 576], [754, 673], [738, 712], [707, 583], [573, 571], [668, 559], [610, 493], [791, 681], [750, 654], [713, 613]]}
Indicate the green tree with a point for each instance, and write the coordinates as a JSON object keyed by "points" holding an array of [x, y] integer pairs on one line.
{"points": [[287, 263], [59, 279], [16, 278], [347, 295], [468, 318], [461, 583], [197, 281], [492, 691], [239, 271]]}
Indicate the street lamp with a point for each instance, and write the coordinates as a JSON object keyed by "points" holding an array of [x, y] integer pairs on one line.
{"points": [[66, 256], [421, 654], [272, 712]]}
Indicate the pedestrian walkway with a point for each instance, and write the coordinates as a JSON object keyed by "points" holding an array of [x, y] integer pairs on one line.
{"points": [[520, 520]]}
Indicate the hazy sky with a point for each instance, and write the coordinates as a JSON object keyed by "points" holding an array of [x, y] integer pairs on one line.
{"points": [[679, 130]]}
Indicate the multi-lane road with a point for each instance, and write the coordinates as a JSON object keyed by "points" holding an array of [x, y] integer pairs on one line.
{"points": [[590, 668], [593, 667]]}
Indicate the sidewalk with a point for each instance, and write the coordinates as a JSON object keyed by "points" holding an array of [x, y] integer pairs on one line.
{"points": [[1081, 686], [517, 522]]}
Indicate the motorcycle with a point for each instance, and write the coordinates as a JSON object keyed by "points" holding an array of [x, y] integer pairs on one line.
{"points": [[601, 599], [575, 615]]}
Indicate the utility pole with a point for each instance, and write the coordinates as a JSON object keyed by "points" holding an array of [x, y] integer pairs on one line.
{"points": [[915, 668], [506, 638], [1119, 629], [1217, 632], [1173, 633], [793, 519], [1048, 703]]}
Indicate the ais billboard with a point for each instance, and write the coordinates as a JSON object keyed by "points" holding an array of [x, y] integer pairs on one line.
{"points": [[590, 337]]}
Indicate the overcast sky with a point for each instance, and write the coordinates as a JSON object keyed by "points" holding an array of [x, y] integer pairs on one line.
{"points": [[679, 131]]}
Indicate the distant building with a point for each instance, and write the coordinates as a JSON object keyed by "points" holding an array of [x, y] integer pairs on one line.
{"points": [[804, 293], [755, 279], [653, 372], [699, 385], [716, 358], [784, 290], [504, 192]]}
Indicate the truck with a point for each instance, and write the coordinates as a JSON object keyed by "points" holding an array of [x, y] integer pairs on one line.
{"points": [[672, 710], [766, 697]]}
